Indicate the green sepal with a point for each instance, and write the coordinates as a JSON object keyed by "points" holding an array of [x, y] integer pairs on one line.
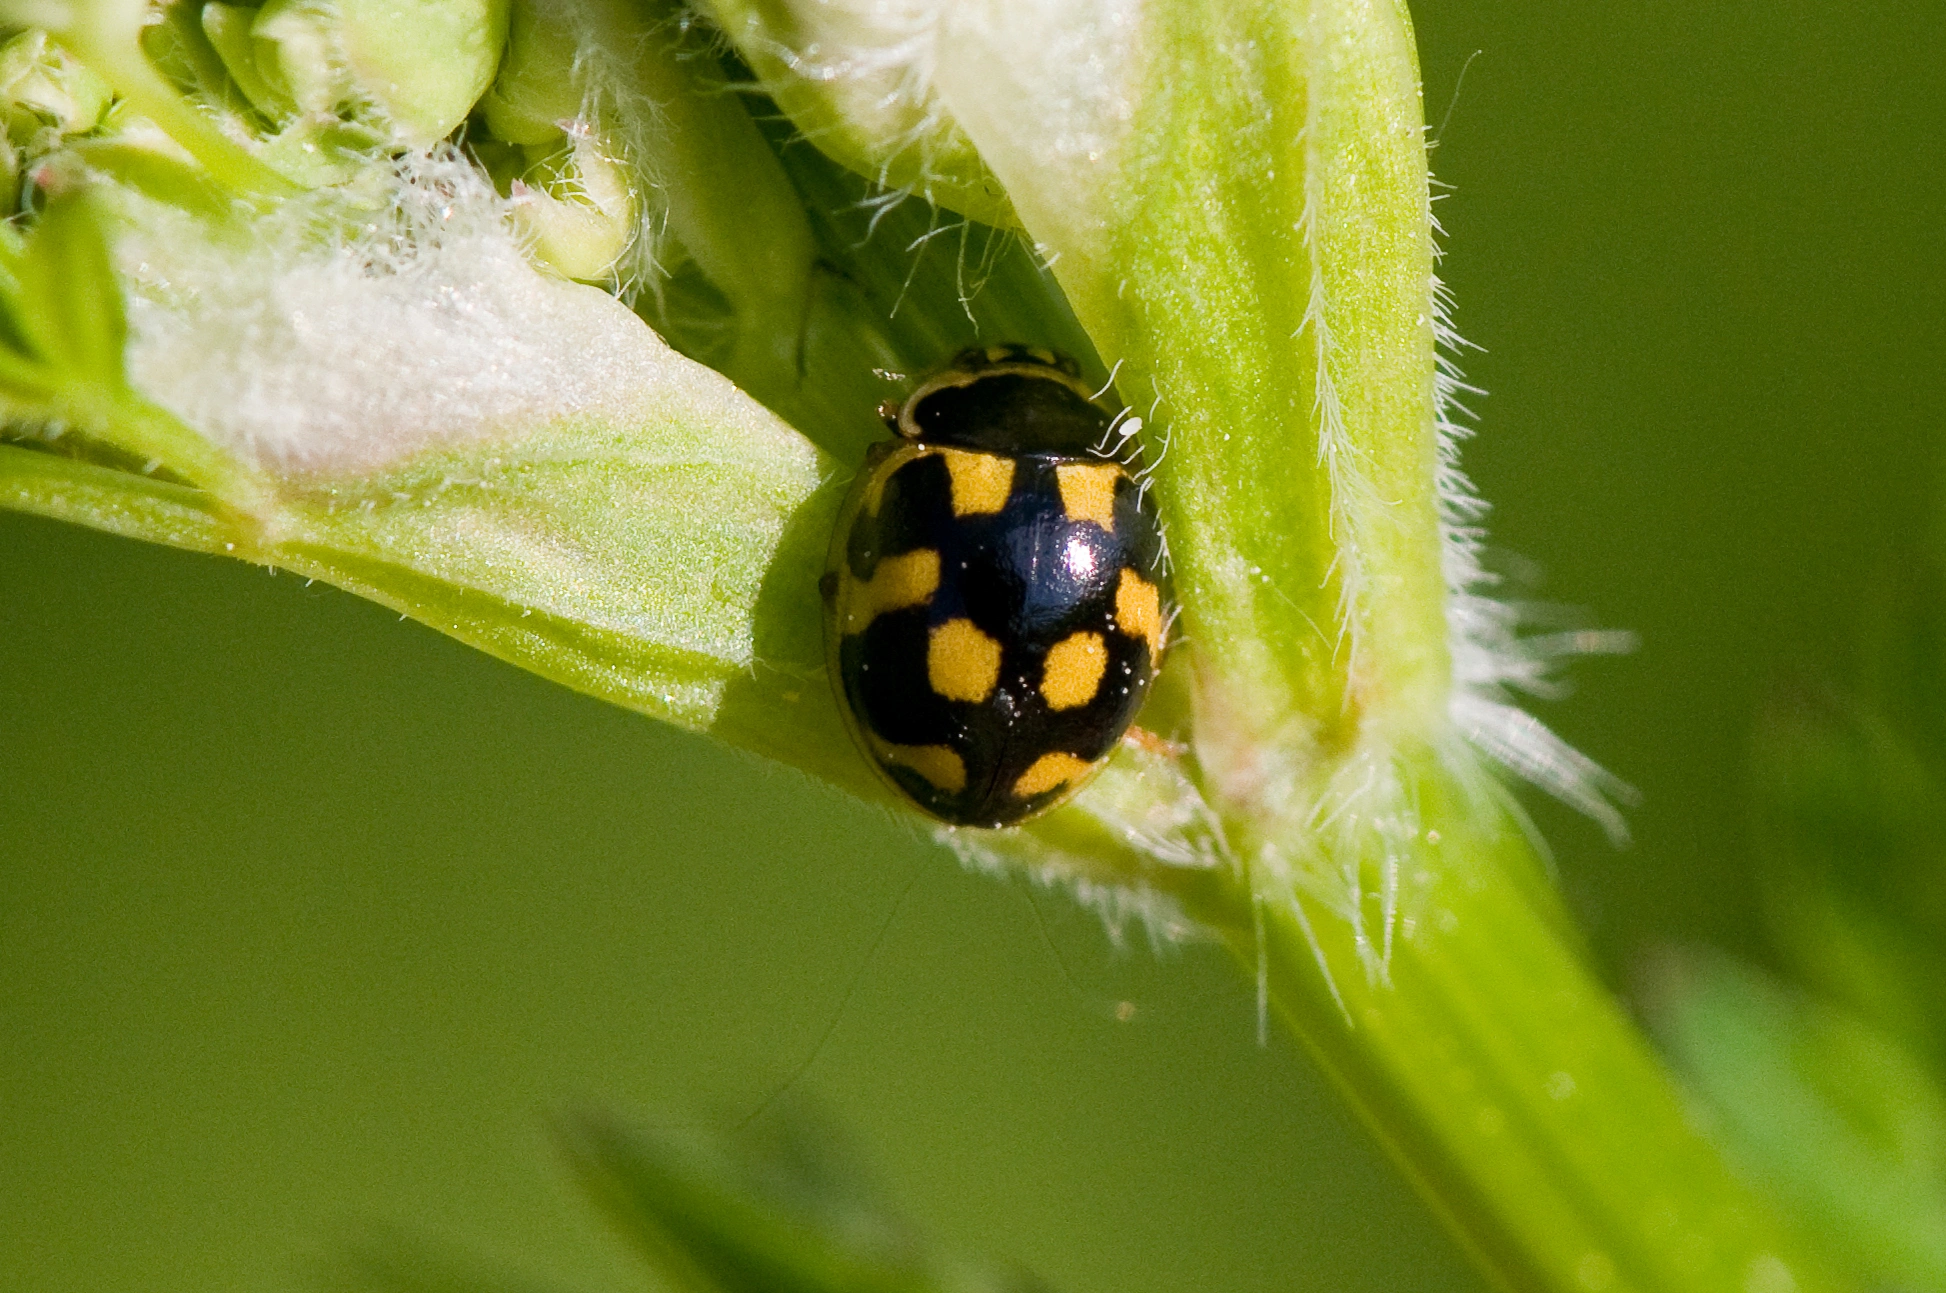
{"points": [[106, 35], [146, 162], [176, 44], [415, 67], [227, 28], [534, 92], [69, 311]]}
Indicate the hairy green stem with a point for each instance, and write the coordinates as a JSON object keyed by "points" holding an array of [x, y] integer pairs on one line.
{"points": [[1253, 250], [1507, 1083]]}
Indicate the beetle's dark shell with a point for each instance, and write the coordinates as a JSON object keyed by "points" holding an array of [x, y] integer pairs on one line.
{"points": [[994, 619]]}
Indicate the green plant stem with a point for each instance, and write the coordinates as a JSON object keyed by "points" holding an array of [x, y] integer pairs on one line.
{"points": [[103, 498], [1256, 251], [1482, 1052], [1504, 1079]]}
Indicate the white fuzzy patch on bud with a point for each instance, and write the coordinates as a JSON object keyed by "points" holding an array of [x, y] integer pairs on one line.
{"points": [[316, 356], [1047, 89]]}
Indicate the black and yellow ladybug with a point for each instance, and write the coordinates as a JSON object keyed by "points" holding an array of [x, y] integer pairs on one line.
{"points": [[994, 604]]}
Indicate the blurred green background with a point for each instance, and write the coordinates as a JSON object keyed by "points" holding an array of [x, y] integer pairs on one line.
{"points": [[309, 917]]}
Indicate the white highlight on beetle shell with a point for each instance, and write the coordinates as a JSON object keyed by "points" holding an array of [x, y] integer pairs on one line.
{"points": [[1079, 558]]}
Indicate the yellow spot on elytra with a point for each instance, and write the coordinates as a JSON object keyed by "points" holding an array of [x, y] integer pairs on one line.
{"points": [[1047, 772], [938, 764], [1138, 611], [981, 481], [962, 663], [1073, 670], [1088, 492], [908, 579]]}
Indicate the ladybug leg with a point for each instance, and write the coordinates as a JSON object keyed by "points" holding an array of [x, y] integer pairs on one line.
{"points": [[1148, 742], [828, 586]]}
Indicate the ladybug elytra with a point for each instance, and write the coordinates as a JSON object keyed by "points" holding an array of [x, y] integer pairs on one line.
{"points": [[994, 602]]}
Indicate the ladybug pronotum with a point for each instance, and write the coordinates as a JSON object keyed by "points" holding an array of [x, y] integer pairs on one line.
{"points": [[994, 606]]}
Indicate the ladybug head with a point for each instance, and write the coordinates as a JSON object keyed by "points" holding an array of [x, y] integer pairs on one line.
{"points": [[1007, 400]]}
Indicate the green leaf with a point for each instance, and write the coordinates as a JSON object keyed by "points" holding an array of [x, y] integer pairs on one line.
{"points": [[789, 1218], [1848, 816], [104, 498], [668, 565], [1848, 798], [66, 323], [1841, 1120], [1902, 667], [1834, 1089], [70, 307]]}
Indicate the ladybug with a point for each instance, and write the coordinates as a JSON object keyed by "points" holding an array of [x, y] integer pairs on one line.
{"points": [[994, 607]]}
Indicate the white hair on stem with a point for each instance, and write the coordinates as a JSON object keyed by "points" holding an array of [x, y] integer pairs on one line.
{"points": [[1491, 659], [1339, 457], [1364, 817]]}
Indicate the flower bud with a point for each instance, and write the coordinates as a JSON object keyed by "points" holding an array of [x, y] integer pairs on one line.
{"points": [[43, 89], [536, 93], [576, 210], [228, 29], [415, 68]]}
